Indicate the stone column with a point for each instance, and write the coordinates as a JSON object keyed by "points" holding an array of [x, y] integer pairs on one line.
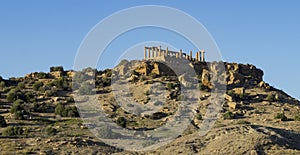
{"points": [[203, 55], [159, 50], [191, 55], [145, 53], [152, 53], [197, 56], [167, 51], [180, 53], [149, 53]]}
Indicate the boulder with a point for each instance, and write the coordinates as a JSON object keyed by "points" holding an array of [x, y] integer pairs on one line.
{"points": [[228, 98], [232, 105], [240, 90]]}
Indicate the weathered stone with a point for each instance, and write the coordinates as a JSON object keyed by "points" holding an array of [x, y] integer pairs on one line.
{"points": [[232, 105], [239, 90], [228, 98]]}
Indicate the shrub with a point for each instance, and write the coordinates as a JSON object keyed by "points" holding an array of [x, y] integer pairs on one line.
{"points": [[66, 111], [30, 97], [170, 86], [121, 121], [19, 115], [21, 85], [43, 108], [231, 93], [72, 112], [13, 131], [36, 86], [42, 75], [199, 117], [2, 84], [12, 95], [108, 72], [50, 131], [59, 109], [106, 81], [297, 117], [2, 122], [270, 98], [17, 106], [281, 116], [228, 115], [60, 83]]}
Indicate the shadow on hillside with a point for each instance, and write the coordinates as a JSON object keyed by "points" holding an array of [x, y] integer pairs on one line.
{"points": [[284, 138]]}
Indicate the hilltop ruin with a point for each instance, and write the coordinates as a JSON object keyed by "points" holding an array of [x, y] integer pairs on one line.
{"points": [[159, 54]]}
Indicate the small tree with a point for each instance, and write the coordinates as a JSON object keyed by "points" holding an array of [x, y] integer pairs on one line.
{"points": [[11, 95], [17, 106], [2, 122]]}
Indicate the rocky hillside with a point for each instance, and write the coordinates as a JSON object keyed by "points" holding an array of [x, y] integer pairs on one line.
{"points": [[39, 115]]}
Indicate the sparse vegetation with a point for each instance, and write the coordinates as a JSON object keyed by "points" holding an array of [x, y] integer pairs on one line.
{"points": [[199, 117], [270, 98], [122, 122], [2, 122], [13, 131], [50, 131], [41, 102], [297, 117], [281, 116], [170, 86], [242, 122], [228, 115], [61, 84]]}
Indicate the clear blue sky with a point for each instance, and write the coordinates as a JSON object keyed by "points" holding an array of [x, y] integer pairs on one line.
{"points": [[35, 35]]}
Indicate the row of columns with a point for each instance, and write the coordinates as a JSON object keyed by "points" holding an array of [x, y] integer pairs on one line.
{"points": [[152, 52]]}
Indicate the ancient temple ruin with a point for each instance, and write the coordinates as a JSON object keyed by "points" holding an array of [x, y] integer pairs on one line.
{"points": [[156, 53]]}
